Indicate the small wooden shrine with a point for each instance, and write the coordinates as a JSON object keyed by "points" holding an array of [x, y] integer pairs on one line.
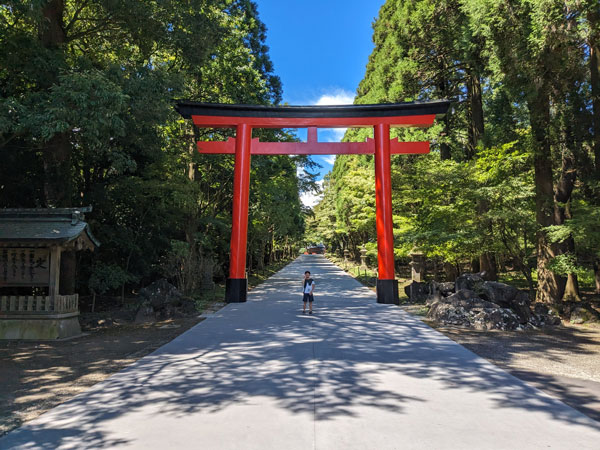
{"points": [[31, 243]]}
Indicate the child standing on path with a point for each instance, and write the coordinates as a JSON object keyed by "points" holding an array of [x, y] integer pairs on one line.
{"points": [[309, 287]]}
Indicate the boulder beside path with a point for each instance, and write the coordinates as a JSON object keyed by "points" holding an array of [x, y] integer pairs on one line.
{"points": [[472, 301], [161, 300]]}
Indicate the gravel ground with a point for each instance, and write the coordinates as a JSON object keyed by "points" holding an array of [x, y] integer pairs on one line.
{"points": [[563, 361], [37, 376]]}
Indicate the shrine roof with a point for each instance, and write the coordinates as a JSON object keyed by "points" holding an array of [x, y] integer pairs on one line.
{"points": [[438, 108], [52, 226]]}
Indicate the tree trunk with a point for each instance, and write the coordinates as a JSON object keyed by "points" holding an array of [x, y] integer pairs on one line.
{"points": [[272, 245], [487, 264], [191, 172], [562, 201], [57, 151], [443, 87], [594, 42], [261, 259], [487, 261], [57, 172], [445, 153], [476, 122], [550, 286], [58, 193], [51, 31], [451, 272], [56, 155], [571, 289], [194, 256], [597, 275]]}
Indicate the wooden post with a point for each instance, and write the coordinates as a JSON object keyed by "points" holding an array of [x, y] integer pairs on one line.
{"points": [[54, 272]]}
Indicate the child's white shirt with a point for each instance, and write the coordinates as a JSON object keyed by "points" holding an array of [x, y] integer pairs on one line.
{"points": [[308, 287]]}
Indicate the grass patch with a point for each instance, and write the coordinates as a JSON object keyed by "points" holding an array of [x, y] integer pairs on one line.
{"points": [[205, 299], [367, 277]]}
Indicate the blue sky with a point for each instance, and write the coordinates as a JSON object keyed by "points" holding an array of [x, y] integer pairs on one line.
{"points": [[320, 50]]}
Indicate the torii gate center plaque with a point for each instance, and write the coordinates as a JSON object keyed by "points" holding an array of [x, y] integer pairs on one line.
{"points": [[380, 117]]}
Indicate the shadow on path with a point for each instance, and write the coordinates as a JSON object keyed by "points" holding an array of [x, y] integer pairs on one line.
{"points": [[352, 356]]}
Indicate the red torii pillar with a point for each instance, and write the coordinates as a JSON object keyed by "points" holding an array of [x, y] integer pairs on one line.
{"points": [[237, 283], [246, 117], [387, 287]]}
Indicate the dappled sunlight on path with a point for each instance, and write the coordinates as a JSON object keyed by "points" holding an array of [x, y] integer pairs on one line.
{"points": [[353, 375]]}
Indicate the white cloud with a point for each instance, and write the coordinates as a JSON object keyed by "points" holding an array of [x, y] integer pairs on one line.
{"points": [[329, 159], [337, 97], [332, 134], [310, 198]]}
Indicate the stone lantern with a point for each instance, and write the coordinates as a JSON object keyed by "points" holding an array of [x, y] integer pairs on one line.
{"points": [[363, 258], [417, 266]]}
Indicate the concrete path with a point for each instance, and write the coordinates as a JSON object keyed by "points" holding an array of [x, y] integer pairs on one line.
{"points": [[356, 375]]}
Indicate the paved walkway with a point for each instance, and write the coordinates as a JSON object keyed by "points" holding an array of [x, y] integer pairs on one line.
{"points": [[356, 375]]}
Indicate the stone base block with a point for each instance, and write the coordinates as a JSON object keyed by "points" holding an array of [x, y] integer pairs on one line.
{"points": [[387, 292], [236, 290], [40, 329]]}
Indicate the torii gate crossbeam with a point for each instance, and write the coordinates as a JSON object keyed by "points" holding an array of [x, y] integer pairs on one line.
{"points": [[380, 117]]}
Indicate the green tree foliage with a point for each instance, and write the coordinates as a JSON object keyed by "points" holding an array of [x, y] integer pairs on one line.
{"points": [[87, 116], [513, 175]]}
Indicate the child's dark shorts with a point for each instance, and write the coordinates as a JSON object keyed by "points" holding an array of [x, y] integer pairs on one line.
{"points": [[308, 298]]}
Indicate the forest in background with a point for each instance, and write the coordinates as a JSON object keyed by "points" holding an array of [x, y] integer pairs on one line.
{"points": [[513, 180], [87, 117]]}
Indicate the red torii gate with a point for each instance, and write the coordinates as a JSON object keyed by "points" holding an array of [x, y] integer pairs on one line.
{"points": [[246, 117]]}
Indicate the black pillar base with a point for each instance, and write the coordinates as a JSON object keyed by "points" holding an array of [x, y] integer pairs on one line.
{"points": [[236, 290], [387, 292]]}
